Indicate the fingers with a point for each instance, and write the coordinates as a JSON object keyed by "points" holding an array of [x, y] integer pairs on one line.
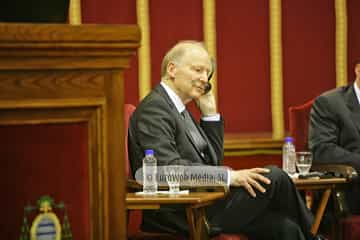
{"points": [[258, 174], [260, 170], [207, 104], [260, 178], [252, 183], [250, 179], [249, 186], [250, 190], [256, 185]]}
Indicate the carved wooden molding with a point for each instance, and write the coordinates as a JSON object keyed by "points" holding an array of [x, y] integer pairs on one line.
{"points": [[60, 46]]}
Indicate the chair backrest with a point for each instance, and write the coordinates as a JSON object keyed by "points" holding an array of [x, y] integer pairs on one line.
{"points": [[299, 124], [128, 111], [134, 216]]}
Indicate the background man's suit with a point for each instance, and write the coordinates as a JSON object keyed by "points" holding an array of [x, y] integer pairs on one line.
{"points": [[334, 133], [156, 124]]}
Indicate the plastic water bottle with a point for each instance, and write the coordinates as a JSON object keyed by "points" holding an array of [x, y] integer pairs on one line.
{"points": [[289, 156], [150, 185]]}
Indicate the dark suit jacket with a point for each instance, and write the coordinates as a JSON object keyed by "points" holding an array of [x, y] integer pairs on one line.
{"points": [[159, 126], [156, 124], [334, 131]]}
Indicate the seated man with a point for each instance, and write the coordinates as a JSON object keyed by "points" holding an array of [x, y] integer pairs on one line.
{"points": [[334, 131], [263, 202]]}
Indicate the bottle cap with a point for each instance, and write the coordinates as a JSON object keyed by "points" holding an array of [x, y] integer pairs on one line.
{"points": [[149, 152], [289, 139]]}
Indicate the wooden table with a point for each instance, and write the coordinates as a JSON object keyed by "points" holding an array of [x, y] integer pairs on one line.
{"points": [[194, 203], [327, 185]]}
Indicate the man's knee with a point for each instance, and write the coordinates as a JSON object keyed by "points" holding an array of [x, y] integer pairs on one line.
{"points": [[277, 174]]}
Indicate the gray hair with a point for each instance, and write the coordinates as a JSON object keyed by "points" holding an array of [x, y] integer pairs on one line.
{"points": [[177, 52]]}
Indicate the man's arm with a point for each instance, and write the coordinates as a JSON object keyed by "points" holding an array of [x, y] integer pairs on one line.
{"points": [[324, 132], [212, 124], [250, 179], [214, 131]]}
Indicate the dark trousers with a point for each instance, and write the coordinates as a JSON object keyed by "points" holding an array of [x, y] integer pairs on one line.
{"points": [[279, 213], [352, 194]]}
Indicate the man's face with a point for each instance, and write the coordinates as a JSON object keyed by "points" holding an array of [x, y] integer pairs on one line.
{"points": [[190, 74], [357, 71]]}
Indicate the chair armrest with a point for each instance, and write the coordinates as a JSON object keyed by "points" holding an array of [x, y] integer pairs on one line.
{"points": [[345, 170]]}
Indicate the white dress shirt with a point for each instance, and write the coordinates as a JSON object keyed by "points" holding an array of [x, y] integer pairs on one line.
{"points": [[357, 91]]}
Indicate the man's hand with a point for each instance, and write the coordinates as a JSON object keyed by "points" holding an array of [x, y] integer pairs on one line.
{"points": [[250, 179], [207, 104]]}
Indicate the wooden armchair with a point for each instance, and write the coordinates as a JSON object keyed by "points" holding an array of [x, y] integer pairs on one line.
{"points": [[298, 126], [135, 216]]}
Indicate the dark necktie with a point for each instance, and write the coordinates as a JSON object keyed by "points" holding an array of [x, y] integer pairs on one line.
{"points": [[198, 139]]}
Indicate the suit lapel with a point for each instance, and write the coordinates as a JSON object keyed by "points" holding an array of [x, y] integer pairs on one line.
{"points": [[212, 153], [353, 105], [192, 140], [159, 89], [211, 157]]}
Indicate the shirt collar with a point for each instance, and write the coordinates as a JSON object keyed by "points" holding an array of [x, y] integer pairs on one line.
{"points": [[174, 97], [357, 91]]}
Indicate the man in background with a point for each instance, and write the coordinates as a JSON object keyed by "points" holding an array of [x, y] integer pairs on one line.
{"points": [[263, 202], [334, 131]]}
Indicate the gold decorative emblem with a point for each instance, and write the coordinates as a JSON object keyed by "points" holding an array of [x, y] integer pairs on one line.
{"points": [[46, 225]]}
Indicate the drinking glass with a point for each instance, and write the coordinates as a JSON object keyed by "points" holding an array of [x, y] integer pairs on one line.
{"points": [[174, 175], [303, 162]]}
